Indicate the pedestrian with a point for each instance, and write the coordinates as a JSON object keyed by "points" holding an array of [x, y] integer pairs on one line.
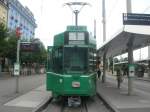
{"points": [[119, 78], [11, 70], [98, 70], [123, 69], [99, 74]]}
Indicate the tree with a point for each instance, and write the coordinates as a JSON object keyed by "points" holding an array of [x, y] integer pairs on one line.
{"points": [[3, 32], [11, 48], [8, 48], [3, 41]]}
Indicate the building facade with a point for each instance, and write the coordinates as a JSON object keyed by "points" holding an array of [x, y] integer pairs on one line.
{"points": [[3, 11], [20, 16]]}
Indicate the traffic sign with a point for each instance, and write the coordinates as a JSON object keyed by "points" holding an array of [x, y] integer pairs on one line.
{"points": [[131, 70], [136, 19], [16, 69]]}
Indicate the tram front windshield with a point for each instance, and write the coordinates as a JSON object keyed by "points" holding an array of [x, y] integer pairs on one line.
{"points": [[75, 60]]}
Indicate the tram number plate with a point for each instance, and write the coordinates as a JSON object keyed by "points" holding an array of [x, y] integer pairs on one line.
{"points": [[75, 84]]}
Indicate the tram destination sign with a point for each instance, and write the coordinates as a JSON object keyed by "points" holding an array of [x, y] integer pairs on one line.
{"points": [[136, 19]]}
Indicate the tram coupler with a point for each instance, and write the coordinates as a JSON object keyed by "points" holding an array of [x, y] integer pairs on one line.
{"points": [[74, 101]]}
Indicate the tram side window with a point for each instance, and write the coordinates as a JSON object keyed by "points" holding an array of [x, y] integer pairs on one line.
{"points": [[57, 60], [92, 60], [49, 58]]}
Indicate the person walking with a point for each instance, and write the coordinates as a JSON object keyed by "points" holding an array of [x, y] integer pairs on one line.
{"points": [[119, 78], [98, 70]]}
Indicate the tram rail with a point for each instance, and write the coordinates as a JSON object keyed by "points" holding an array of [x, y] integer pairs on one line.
{"points": [[91, 104]]}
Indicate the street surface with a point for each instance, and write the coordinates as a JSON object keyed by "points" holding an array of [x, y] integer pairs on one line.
{"points": [[93, 104], [8, 87]]}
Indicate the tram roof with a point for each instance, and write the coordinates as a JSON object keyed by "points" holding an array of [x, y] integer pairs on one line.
{"points": [[118, 44]]}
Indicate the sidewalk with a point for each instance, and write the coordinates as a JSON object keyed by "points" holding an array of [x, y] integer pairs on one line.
{"points": [[29, 101], [145, 78], [119, 99], [6, 75]]}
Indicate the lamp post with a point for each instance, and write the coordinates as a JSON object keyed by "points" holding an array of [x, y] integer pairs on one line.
{"points": [[76, 7]]}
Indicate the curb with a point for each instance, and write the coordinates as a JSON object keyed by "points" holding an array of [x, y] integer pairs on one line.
{"points": [[43, 105], [108, 103]]}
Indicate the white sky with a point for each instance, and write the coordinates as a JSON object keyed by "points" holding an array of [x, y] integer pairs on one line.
{"points": [[52, 18]]}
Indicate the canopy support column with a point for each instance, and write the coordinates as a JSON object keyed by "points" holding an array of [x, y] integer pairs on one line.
{"points": [[104, 68], [130, 62], [149, 61]]}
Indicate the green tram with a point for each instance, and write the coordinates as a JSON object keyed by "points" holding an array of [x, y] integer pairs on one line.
{"points": [[71, 63]]}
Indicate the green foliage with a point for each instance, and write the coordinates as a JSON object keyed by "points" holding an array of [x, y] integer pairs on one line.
{"points": [[11, 48], [3, 32], [8, 48], [3, 41]]}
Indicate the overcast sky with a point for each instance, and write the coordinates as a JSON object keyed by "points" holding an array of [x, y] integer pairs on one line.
{"points": [[52, 17]]}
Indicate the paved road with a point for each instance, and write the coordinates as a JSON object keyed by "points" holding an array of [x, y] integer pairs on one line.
{"points": [[8, 86], [141, 87]]}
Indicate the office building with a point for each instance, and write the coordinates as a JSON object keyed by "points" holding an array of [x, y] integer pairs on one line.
{"points": [[20, 16], [3, 11]]}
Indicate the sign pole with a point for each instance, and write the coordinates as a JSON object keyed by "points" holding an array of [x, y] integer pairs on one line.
{"points": [[17, 76], [17, 64]]}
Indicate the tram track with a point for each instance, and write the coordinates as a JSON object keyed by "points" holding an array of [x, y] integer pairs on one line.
{"points": [[91, 104], [73, 109], [81, 108]]}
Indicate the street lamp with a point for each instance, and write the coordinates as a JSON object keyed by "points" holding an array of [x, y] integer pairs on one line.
{"points": [[76, 7]]}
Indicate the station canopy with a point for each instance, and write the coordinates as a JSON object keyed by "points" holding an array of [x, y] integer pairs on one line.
{"points": [[118, 44]]}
